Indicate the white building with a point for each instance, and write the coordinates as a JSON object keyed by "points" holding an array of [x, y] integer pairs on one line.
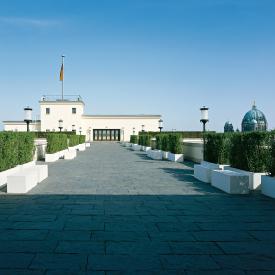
{"points": [[95, 127]]}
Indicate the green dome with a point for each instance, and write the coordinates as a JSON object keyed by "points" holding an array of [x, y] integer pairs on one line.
{"points": [[254, 120]]}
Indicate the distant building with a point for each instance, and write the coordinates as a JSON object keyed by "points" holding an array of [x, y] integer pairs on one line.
{"points": [[228, 127], [95, 127], [254, 120]]}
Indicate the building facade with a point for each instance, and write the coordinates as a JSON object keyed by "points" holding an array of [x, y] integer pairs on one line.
{"points": [[254, 120], [95, 127]]}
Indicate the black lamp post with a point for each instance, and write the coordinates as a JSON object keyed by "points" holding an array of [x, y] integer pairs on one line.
{"points": [[204, 120], [80, 130], [28, 117], [60, 125], [142, 128], [73, 128], [134, 130], [160, 124]]}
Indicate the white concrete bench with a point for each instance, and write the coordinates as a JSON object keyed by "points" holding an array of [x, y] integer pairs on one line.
{"points": [[254, 178], [27, 178], [70, 154], [155, 154], [146, 148], [81, 147], [42, 172], [230, 182], [175, 157], [136, 147], [23, 181], [52, 157], [203, 171], [4, 174], [165, 155], [88, 144]]}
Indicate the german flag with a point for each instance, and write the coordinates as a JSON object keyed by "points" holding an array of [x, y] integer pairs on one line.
{"points": [[61, 73]]}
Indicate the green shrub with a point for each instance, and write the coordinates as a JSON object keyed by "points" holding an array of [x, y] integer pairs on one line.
{"points": [[45, 134], [82, 139], [217, 148], [73, 140], [159, 138], [141, 140], [56, 142], [134, 139], [184, 134], [175, 143], [272, 161], [25, 147], [251, 151], [15, 149], [165, 142], [147, 140]]}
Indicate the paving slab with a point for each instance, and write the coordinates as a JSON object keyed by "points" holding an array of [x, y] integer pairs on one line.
{"points": [[114, 211]]}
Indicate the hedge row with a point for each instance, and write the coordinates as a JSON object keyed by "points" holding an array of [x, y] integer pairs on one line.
{"points": [[144, 140], [60, 141], [246, 151], [73, 140], [165, 142], [45, 134], [217, 148], [272, 161], [56, 142], [82, 139], [175, 143], [15, 149], [183, 134], [134, 139]]}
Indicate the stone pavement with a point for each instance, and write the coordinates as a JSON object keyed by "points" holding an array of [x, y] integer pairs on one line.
{"points": [[114, 211]]}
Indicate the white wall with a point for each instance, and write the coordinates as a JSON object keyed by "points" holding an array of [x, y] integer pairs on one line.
{"points": [[125, 124], [63, 110], [21, 126], [60, 110]]}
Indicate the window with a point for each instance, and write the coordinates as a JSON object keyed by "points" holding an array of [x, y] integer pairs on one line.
{"points": [[73, 110], [47, 111]]}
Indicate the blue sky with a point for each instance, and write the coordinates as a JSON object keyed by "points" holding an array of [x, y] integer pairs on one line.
{"points": [[141, 56]]}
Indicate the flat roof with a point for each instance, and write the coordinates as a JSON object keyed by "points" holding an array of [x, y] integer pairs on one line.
{"points": [[20, 121], [122, 116]]}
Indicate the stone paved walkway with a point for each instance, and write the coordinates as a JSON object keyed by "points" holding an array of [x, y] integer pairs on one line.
{"points": [[113, 211]]}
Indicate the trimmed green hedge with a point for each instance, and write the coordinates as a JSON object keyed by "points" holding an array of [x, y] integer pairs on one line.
{"points": [[15, 148], [175, 143], [272, 162], [246, 151], [73, 140], [165, 143], [134, 139], [217, 147], [251, 151], [183, 134], [82, 139], [56, 142], [146, 140], [45, 134], [159, 141]]}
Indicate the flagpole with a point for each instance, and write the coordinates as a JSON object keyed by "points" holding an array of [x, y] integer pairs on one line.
{"points": [[63, 76]]}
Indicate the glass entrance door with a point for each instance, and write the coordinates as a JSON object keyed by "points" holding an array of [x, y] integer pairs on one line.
{"points": [[106, 134]]}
